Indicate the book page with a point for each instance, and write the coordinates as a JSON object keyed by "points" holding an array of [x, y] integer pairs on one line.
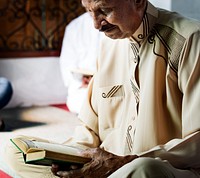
{"points": [[24, 145], [55, 148]]}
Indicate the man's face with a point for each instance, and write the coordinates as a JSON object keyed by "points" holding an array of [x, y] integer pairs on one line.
{"points": [[116, 18]]}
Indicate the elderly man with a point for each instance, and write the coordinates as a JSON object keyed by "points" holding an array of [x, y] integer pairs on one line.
{"points": [[141, 116]]}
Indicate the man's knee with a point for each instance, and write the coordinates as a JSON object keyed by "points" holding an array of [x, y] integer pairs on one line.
{"points": [[144, 162], [149, 168], [13, 156], [15, 161]]}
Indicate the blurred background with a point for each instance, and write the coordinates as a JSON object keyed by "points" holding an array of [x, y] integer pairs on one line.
{"points": [[189, 8], [31, 36]]}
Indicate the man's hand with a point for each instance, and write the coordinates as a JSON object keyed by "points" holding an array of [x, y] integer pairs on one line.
{"points": [[85, 80], [64, 169], [102, 165]]}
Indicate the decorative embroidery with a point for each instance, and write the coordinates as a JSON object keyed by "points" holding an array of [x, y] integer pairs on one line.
{"points": [[129, 138], [135, 46], [145, 28], [135, 49], [135, 91], [130, 133], [151, 40], [112, 92], [171, 40]]}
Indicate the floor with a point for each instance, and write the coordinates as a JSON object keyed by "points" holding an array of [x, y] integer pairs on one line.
{"points": [[48, 122]]}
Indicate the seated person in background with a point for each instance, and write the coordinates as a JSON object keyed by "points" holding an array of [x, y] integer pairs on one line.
{"points": [[5, 96], [78, 58]]}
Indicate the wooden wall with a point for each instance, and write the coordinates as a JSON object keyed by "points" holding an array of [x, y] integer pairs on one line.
{"points": [[31, 28]]}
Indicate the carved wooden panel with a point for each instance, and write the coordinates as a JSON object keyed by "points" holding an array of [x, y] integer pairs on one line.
{"points": [[35, 27]]}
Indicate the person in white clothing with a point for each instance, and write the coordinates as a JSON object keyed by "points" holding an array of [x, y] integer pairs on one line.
{"points": [[79, 52]]}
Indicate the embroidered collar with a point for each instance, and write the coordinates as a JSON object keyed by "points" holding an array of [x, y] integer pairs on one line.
{"points": [[147, 24]]}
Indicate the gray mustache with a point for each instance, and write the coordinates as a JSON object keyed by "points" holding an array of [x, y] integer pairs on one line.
{"points": [[106, 27]]}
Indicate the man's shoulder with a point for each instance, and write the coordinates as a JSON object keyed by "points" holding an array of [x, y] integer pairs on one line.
{"points": [[182, 25]]}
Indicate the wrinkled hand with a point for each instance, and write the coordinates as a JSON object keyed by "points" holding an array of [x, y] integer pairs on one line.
{"points": [[102, 165], [56, 169]]}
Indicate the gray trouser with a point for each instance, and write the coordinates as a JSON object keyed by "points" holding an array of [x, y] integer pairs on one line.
{"points": [[152, 168]]}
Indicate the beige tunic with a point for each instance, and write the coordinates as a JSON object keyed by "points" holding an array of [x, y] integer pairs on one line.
{"points": [[145, 97]]}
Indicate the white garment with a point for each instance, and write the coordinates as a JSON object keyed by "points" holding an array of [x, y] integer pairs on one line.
{"points": [[79, 51]]}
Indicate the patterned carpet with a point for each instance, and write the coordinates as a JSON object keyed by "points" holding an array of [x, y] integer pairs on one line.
{"points": [[47, 122]]}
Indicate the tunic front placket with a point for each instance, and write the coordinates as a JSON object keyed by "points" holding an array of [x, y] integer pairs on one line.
{"points": [[130, 131], [135, 47]]}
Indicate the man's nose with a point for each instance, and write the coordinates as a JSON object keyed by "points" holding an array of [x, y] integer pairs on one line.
{"points": [[97, 25], [97, 19]]}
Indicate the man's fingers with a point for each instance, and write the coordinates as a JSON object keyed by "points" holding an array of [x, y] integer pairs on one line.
{"points": [[54, 168], [70, 174]]}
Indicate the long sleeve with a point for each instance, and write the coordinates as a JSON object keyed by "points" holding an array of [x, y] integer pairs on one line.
{"points": [[185, 153], [181, 153], [86, 134]]}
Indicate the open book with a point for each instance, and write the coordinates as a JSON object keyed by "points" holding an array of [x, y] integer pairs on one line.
{"points": [[44, 153]]}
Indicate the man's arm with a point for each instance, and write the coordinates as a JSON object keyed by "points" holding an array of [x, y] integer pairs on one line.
{"points": [[181, 153], [102, 165], [185, 152]]}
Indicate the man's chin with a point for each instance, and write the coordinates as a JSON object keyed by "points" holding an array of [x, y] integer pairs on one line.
{"points": [[115, 36]]}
